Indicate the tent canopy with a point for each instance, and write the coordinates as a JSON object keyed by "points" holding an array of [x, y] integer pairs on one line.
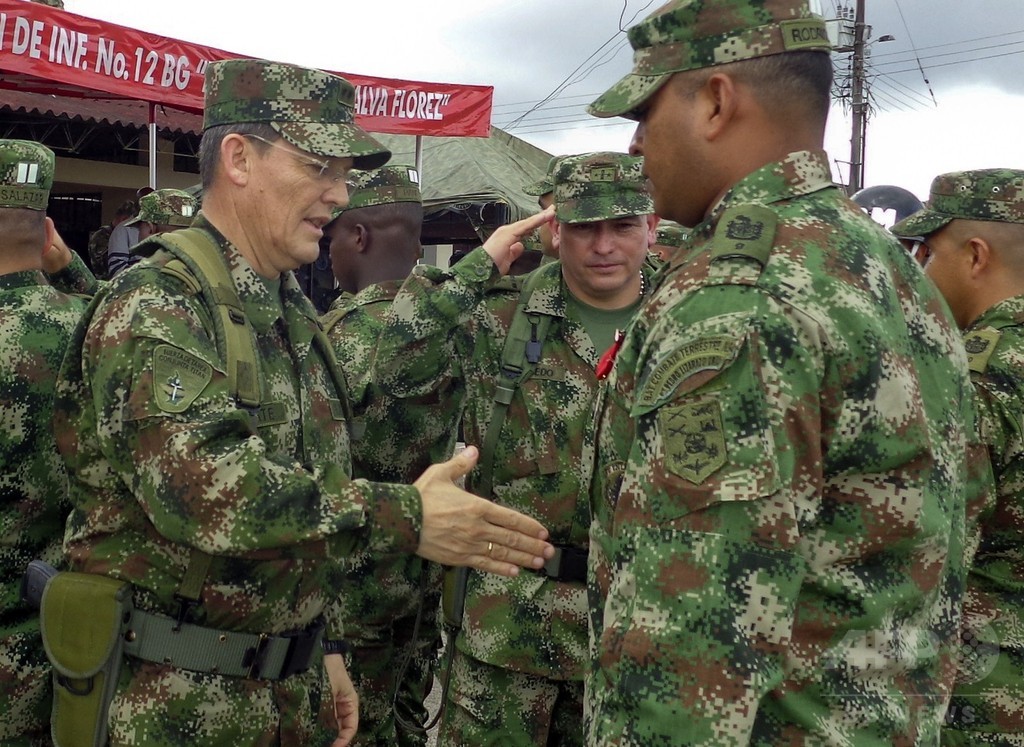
{"points": [[471, 185]]}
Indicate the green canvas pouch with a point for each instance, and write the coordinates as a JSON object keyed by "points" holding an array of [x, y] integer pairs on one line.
{"points": [[81, 618]]}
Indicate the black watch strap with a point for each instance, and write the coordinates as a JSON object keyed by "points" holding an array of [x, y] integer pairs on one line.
{"points": [[335, 646]]}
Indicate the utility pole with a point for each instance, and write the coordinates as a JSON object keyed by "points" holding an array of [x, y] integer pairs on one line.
{"points": [[859, 103]]}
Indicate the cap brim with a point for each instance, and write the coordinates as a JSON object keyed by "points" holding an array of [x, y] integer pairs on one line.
{"points": [[335, 140], [921, 223], [538, 188], [626, 96], [133, 221]]}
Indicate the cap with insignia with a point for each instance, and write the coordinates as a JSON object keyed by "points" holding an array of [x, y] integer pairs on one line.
{"points": [[166, 207], [26, 174], [600, 186], [670, 233], [691, 34], [983, 194], [545, 185], [382, 186], [311, 109]]}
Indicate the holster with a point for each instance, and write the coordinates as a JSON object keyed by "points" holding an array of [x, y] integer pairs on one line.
{"points": [[453, 598], [81, 618]]}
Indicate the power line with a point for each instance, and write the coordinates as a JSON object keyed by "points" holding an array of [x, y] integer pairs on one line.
{"points": [[919, 65]]}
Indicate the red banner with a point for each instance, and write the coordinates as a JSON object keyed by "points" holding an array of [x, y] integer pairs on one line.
{"points": [[68, 49]]}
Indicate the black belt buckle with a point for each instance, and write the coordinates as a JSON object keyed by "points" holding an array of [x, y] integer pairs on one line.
{"points": [[254, 657], [568, 564], [301, 648]]}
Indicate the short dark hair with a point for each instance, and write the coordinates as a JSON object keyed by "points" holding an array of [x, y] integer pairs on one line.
{"points": [[780, 80], [209, 145]]}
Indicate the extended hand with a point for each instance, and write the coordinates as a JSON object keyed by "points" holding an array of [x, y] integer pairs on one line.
{"points": [[460, 528], [346, 700], [505, 245]]}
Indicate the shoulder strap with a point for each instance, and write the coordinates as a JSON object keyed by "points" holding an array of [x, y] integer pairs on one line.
{"points": [[201, 265], [980, 344], [519, 356]]}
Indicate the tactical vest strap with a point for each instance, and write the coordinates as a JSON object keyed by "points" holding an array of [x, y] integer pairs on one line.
{"points": [[196, 250], [521, 353]]}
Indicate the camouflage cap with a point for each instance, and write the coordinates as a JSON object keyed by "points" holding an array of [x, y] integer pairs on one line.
{"points": [[166, 207], [670, 233], [600, 186], [691, 34], [26, 174], [545, 185], [382, 186], [311, 109], [983, 194]]}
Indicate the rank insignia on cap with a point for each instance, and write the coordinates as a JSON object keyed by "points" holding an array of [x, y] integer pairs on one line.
{"points": [[28, 173], [602, 174]]}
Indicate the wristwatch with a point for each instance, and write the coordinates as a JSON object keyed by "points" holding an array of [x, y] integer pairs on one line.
{"points": [[335, 646]]}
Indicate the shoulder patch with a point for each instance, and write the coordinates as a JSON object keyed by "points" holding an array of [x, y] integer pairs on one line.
{"points": [[980, 346], [694, 439], [705, 354], [745, 231], [178, 377]]}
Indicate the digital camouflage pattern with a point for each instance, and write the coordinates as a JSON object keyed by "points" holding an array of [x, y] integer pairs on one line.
{"points": [[779, 487], [983, 194], [383, 186], [167, 207], [311, 109], [98, 242], [163, 462], [670, 233], [599, 186], [451, 326], [988, 701], [546, 185], [381, 597], [26, 174], [37, 321], [692, 34]]}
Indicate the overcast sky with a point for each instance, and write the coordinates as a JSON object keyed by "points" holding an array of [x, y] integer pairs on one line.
{"points": [[548, 58]]}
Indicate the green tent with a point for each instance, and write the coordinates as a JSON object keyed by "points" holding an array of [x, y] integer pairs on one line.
{"points": [[471, 185]]}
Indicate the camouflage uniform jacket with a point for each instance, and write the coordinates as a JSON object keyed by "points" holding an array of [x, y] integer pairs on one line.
{"points": [[988, 699], [98, 242], [778, 494], [452, 326], [163, 461], [402, 437], [37, 321]]}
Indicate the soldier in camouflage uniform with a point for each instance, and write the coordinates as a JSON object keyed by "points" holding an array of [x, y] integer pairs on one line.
{"points": [[668, 238], [389, 605], [518, 669], [544, 191], [37, 322], [218, 484], [973, 228], [164, 210], [780, 479], [100, 238]]}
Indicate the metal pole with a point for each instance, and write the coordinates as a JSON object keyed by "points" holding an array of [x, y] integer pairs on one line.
{"points": [[152, 145], [860, 104]]}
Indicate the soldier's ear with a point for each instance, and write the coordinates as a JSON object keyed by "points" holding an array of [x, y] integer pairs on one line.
{"points": [[51, 231], [236, 157], [981, 256], [362, 237]]}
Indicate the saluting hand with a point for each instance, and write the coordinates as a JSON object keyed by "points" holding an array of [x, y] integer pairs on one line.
{"points": [[505, 245], [460, 528]]}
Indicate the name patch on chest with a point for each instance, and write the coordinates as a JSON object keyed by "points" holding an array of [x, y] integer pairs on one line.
{"points": [[544, 372]]}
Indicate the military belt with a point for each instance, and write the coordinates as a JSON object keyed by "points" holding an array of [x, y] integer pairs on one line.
{"points": [[256, 656], [567, 564]]}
